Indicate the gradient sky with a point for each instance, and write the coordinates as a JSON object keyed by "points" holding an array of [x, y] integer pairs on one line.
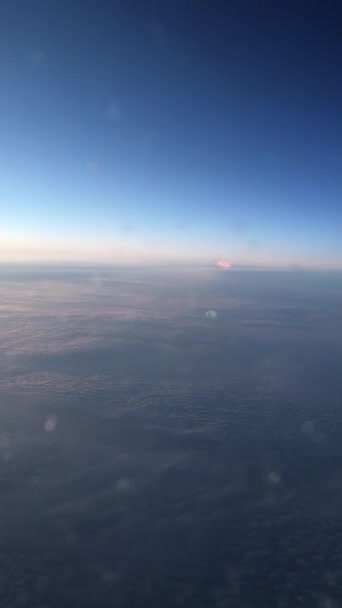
{"points": [[136, 130]]}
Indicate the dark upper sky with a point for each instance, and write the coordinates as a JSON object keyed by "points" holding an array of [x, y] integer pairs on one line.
{"points": [[172, 127]]}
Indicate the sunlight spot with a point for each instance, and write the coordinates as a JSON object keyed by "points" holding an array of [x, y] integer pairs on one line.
{"points": [[223, 264]]}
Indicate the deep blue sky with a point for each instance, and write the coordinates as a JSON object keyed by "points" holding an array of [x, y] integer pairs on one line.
{"points": [[202, 129]]}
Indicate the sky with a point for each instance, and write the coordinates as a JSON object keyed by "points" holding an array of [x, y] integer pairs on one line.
{"points": [[171, 130]]}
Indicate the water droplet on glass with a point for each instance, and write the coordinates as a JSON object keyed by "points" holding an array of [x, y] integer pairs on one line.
{"points": [[8, 456], [108, 576], [4, 441], [50, 424], [123, 484], [308, 427], [273, 478]]}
